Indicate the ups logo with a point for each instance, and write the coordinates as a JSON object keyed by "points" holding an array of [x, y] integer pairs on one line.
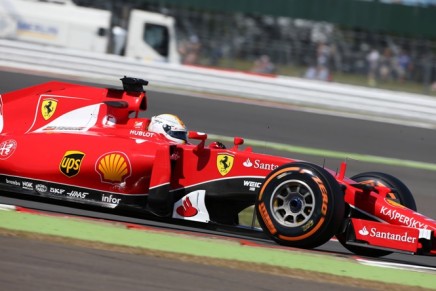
{"points": [[70, 164]]}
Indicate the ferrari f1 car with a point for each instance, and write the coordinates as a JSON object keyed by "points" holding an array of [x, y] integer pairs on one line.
{"points": [[89, 145]]}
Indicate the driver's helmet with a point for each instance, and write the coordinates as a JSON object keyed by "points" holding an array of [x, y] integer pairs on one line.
{"points": [[170, 126]]}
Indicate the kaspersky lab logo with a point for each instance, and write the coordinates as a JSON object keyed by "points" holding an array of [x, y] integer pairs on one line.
{"points": [[71, 162]]}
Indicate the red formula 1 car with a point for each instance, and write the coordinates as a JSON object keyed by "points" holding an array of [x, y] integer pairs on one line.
{"points": [[89, 145]]}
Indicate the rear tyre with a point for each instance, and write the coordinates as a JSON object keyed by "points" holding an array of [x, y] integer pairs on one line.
{"points": [[300, 205], [400, 194]]}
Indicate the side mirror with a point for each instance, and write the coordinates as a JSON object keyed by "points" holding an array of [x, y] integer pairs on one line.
{"points": [[237, 141], [198, 136]]}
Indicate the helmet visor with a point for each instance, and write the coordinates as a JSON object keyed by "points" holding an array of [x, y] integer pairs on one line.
{"points": [[182, 135]]}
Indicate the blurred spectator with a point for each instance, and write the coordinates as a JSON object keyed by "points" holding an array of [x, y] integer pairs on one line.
{"points": [[386, 65], [215, 53], [320, 71], [190, 50], [263, 65], [317, 73], [373, 59], [323, 55], [411, 2], [403, 66]]}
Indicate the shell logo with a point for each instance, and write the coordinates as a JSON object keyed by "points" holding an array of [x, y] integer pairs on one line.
{"points": [[113, 167]]}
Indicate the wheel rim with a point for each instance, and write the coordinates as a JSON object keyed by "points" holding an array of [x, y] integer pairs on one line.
{"points": [[293, 203]]}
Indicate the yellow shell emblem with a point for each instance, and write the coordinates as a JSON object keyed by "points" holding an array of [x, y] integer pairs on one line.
{"points": [[113, 167], [224, 163]]}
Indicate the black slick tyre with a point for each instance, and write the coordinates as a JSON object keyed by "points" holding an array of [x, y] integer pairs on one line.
{"points": [[300, 205]]}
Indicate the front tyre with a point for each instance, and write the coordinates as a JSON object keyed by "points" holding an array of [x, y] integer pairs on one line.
{"points": [[400, 193], [300, 205]]}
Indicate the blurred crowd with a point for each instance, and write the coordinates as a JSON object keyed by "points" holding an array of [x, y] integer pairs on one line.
{"points": [[388, 65], [384, 60], [411, 2], [313, 50]]}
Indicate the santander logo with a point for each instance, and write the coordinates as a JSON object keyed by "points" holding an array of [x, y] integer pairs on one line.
{"points": [[247, 163], [192, 207], [392, 236], [364, 231], [258, 164], [186, 209]]}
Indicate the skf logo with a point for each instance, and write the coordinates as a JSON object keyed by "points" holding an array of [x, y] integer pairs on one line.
{"points": [[224, 163], [70, 164], [48, 108], [113, 167]]}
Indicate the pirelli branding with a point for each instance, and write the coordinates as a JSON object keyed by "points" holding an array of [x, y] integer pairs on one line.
{"points": [[71, 162], [268, 222]]}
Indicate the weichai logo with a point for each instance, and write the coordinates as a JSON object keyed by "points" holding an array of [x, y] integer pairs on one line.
{"points": [[71, 162]]}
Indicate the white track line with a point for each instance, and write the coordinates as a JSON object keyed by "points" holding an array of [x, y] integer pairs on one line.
{"points": [[7, 207]]}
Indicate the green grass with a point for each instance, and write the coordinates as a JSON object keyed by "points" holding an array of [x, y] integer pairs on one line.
{"points": [[246, 217]]}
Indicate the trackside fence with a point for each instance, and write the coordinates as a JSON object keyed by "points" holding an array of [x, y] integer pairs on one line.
{"points": [[371, 103]]}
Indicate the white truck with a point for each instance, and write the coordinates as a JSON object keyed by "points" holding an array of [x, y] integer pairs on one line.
{"points": [[149, 36]]}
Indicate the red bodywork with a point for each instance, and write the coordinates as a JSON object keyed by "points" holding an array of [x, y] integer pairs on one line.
{"points": [[89, 145], [395, 227]]}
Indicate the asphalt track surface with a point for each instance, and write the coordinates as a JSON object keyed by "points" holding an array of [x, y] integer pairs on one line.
{"points": [[272, 123], [33, 265]]}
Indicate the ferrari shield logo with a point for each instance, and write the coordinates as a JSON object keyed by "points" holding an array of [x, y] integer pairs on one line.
{"points": [[224, 163], [48, 108]]}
